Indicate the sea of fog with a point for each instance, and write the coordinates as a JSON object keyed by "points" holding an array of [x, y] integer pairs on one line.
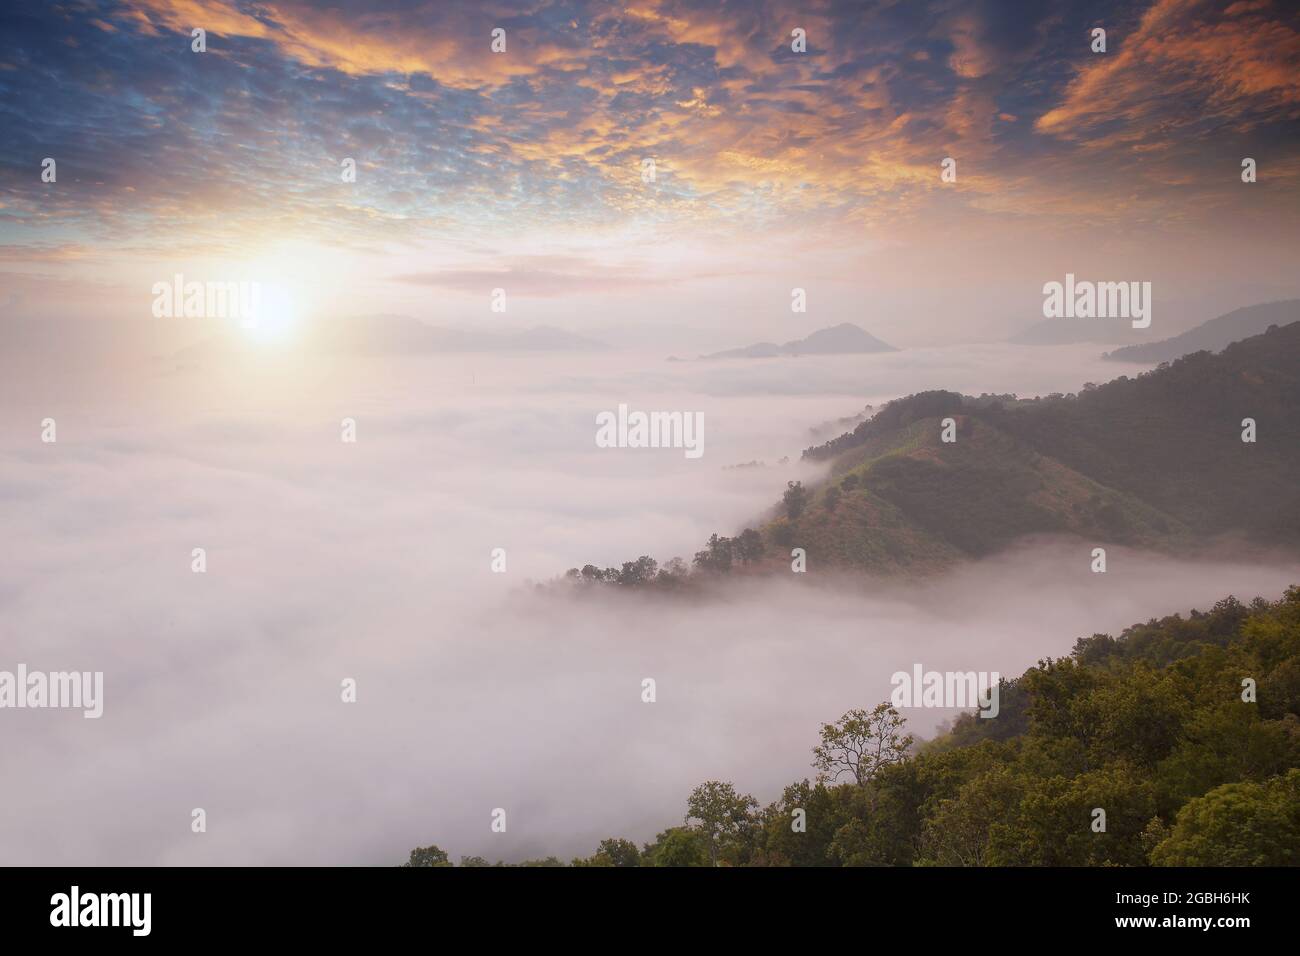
{"points": [[371, 561]]}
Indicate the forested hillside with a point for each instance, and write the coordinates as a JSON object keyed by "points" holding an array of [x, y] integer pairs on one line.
{"points": [[1213, 335], [1184, 731], [1157, 461]]}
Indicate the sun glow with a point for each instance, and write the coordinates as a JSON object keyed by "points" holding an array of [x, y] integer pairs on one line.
{"points": [[275, 320]]}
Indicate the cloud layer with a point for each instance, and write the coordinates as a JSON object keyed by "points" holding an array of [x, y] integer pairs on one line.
{"points": [[371, 561]]}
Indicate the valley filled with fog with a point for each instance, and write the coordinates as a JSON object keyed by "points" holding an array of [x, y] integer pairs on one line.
{"points": [[371, 560]]}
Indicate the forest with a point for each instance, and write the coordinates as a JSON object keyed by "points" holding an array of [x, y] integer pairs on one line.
{"points": [[1184, 732], [1195, 454]]}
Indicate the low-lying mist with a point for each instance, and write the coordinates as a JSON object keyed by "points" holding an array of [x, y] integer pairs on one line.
{"points": [[228, 698], [372, 561]]}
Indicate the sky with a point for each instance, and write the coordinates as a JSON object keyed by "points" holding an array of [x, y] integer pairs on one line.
{"points": [[773, 169]]}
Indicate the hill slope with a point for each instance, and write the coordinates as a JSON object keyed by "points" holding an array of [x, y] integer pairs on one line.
{"points": [[1214, 335], [1154, 461], [1152, 726], [843, 339]]}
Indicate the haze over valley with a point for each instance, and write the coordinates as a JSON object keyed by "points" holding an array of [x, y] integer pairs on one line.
{"points": [[372, 561]]}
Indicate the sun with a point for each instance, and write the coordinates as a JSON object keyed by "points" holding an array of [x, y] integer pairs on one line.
{"points": [[274, 321]]}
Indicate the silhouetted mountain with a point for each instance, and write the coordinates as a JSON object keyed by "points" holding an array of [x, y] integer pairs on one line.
{"points": [[1213, 335], [1155, 461], [843, 339]]}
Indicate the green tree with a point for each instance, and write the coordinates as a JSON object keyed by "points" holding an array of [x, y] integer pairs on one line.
{"points": [[1053, 823], [783, 845], [430, 855], [1237, 824], [716, 556], [638, 572], [748, 546], [877, 823], [1226, 744], [674, 568], [860, 743], [1138, 716], [619, 852], [795, 499], [677, 846], [956, 832], [722, 813]]}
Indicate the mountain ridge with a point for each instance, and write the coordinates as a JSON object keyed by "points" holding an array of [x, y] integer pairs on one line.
{"points": [[1137, 461], [1140, 462], [843, 339], [1213, 335]]}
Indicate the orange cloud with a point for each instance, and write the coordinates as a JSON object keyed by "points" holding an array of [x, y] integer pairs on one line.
{"points": [[1238, 67], [368, 43]]}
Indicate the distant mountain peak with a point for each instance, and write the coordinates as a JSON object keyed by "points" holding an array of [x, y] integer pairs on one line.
{"points": [[1214, 335], [843, 339]]}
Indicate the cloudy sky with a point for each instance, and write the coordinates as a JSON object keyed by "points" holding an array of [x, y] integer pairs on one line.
{"points": [[774, 169]]}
